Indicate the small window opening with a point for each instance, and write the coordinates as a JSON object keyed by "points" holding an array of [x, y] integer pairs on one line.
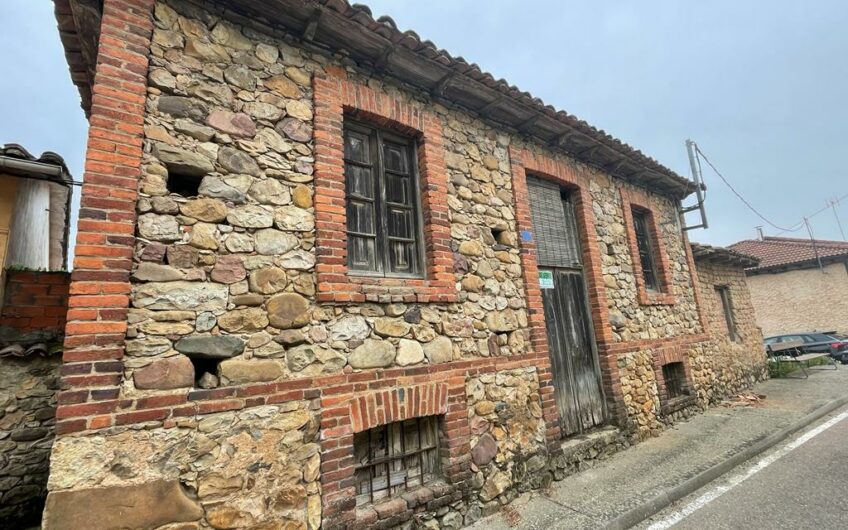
{"points": [[205, 372], [395, 458], [645, 247], [727, 307], [184, 185], [500, 236], [674, 376]]}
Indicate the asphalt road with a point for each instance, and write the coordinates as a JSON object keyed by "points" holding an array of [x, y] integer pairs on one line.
{"points": [[806, 487]]}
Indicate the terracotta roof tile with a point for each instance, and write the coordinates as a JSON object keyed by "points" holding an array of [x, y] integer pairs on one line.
{"points": [[776, 252]]}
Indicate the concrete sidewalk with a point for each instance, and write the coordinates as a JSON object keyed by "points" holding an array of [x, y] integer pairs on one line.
{"points": [[639, 480]]}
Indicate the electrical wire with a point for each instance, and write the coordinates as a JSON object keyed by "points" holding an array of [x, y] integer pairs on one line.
{"points": [[741, 198]]}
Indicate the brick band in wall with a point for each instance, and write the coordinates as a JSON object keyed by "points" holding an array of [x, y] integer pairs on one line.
{"points": [[99, 291]]}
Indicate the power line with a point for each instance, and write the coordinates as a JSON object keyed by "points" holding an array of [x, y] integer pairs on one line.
{"points": [[741, 198]]}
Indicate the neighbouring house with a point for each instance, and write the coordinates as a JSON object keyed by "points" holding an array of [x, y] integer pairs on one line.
{"points": [[35, 195], [799, 285], [328, 275], [735, 359]]}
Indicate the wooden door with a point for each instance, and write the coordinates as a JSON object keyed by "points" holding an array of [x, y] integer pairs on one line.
{"points": [[571, 340]]}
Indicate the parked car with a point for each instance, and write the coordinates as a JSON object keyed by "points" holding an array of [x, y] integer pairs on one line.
{"points": [[830, 343]]}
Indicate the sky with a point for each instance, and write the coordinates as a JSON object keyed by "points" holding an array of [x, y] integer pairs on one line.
{"points": [[761, 86]]}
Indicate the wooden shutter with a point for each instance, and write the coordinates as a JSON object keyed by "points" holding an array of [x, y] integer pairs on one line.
{"points": [[554, 225]]}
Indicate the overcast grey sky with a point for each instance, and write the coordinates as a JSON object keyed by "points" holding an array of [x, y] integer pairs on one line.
{"points": [[760, 85]]}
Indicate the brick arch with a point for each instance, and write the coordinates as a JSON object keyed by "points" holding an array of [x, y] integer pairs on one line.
{"points": [[524, 162], [398, 404]]}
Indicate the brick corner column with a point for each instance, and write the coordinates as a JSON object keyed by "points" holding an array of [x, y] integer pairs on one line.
{"points": [[99, 290]]}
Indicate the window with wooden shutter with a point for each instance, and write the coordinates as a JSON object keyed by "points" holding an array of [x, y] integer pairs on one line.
{"points": [[383, 204], [554, 225], [727, 307], [645, 246]]}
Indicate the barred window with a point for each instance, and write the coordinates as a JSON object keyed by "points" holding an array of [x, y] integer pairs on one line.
{"points": [[383, 202], [645, 245], [674, 376], [394, 458]]}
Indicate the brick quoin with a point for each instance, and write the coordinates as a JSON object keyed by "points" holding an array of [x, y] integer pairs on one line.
{"points": [[97, 321], [334, 96]]}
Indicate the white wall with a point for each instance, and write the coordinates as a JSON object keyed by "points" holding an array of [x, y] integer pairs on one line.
{"points": [[29, 237]]}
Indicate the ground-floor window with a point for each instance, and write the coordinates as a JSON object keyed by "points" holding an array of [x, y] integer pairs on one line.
{"points": [[394, 458], [674, 376]]}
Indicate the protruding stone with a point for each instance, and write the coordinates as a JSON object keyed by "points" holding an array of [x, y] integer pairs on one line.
{"points": [[295, 129], [248, 299], [302, 196], [215, 187], [165, 374], [228, 269], [349, 327], [195, 130], [267, 53], [183, 107], [147, 505], [409, 352], [159, 227], [181, 295], [390, 327], [210, 346], [237, 371], [288, 310], [373, 354], [230, 36], [204, 235], [298, 109], [270, 191], [294, 219], [501, 321], [484, 451], [471, 248], [283, 86], [235, 161], [494, 486], [240, 76], [243, 320], [206, 51], [234, 123], [299, 260], [250, 216], [290, 337], [439, 350], [154, 272], [203, 209], [182, 162], [268, 280], [272, 242]]}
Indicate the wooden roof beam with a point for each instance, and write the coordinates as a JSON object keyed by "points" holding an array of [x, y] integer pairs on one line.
{"points": [[312, 24]]}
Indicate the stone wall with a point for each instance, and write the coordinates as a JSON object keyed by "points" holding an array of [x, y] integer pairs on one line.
{"points": [[724, 366], [801, 300], [27, 418]]}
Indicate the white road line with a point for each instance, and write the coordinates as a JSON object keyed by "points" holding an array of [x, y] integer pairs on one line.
{"points": [[735, 480]]}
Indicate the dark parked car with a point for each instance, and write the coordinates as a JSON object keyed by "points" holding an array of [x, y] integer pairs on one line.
{"points": [[816, 342]]}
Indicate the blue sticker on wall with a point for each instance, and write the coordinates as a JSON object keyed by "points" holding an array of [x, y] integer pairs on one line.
{"points": [[526, 235]]}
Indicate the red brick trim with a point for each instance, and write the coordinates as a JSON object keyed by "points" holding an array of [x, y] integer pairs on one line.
{"points": [[641, 200], [99, 290], [35, 301], [398, 404], [333, 97], [523, 162]]}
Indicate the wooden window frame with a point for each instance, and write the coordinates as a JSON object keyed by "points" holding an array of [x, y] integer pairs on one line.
{"points": [[645, 247], [376, 137], [726, 301], [335, 98], [636, 199]]}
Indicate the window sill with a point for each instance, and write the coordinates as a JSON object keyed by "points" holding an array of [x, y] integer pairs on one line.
{"points": [[678, 403], [401, 508], [655, 298]]}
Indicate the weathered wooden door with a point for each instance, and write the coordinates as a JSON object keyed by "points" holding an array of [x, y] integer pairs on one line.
{"points": [[571, 339]]}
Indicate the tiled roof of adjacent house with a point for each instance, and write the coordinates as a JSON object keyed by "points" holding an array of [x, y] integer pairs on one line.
{"points": [[377, 43], [722, 255], [18, 152], [786, 252]]}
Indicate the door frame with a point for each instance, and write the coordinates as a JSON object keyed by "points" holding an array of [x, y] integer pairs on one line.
{"points": [[576, 182]]}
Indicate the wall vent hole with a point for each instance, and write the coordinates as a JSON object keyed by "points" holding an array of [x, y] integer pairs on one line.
{"points": [[185, 185]]}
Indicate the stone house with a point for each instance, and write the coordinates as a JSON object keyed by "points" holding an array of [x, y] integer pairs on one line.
{"points": [[799, 285], [35, 198], [328, 275]]}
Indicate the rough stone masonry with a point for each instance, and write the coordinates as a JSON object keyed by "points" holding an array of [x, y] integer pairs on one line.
{"points": [[221, 362]]}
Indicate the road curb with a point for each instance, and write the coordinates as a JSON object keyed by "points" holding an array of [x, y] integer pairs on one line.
{"points": [[665, 498]]}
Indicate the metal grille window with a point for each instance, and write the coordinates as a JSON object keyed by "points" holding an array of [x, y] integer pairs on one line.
{"points": [[674, 376], [394, 458], [645, 245], [383, 203], [554, 225], [724, 295]]}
